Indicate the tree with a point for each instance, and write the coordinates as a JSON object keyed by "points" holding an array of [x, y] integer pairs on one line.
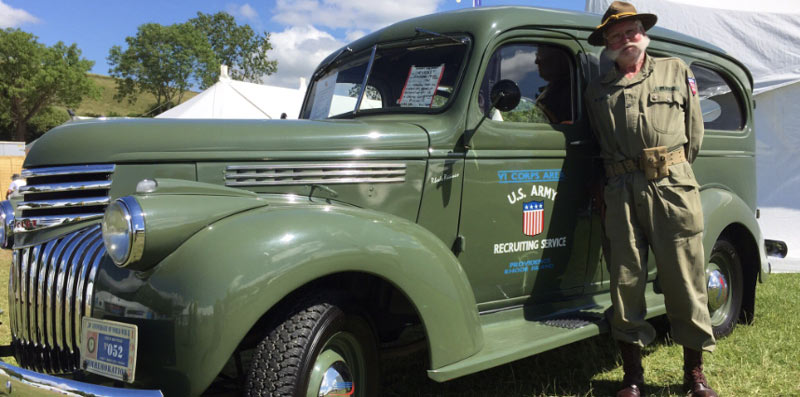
{"points": [[164, 61], [34, 77], [239, 47], [372, 92], [49, 118]]}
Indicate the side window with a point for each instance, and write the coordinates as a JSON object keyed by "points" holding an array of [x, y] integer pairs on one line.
{"points": [[544, 74], [721, 105]]}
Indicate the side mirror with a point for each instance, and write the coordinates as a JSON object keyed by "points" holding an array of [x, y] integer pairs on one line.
{"points": [[776, 248], [505, 95]]}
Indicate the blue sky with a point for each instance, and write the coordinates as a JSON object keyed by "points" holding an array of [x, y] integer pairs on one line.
{"points": [[303, 31]]}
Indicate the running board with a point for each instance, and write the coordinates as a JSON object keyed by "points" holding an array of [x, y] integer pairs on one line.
{"points": [[508, 336]]}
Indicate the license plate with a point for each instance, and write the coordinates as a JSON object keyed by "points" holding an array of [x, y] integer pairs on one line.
{"points": [[108, 348]]}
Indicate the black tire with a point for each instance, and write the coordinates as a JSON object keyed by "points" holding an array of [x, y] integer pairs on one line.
{"points": [[318, 330], [725, 287]]}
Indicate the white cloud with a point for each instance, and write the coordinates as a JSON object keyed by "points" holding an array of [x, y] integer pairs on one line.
{"points": [[305, 42], [244, 11], [354, 35], [350, 15], [248, 12], [14, 17], [299, 49], [520, 64]]}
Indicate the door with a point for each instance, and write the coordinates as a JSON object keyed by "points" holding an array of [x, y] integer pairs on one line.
{"points": [[526, 210]]}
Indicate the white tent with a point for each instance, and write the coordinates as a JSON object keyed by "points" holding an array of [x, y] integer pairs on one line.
{"points": [[231, 99], [764, 35]]}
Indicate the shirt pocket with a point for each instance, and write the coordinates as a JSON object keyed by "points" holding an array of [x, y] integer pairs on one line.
{"points": [[665, 112]]}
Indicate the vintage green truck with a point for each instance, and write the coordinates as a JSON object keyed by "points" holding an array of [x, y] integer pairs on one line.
{"points": [[436, 189]]}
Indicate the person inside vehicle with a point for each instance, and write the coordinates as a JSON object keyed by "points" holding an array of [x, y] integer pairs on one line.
{"points": [[555, 98]]}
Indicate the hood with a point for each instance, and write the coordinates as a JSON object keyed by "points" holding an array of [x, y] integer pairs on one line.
{"points": [[159, 140]]}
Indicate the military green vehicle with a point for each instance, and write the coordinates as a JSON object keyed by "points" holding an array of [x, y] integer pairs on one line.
{"points": [[436, 190]]}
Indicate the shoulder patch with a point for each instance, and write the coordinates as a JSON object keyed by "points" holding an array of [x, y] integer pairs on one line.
{"points": [[692, 85]]}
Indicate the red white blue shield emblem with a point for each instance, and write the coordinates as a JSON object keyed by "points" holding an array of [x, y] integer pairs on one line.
{"points": [[692, 85], [532, 218]]}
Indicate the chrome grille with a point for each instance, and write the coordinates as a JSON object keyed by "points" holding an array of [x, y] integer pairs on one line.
{"points": [[50, 290], [302, 174], [56, 196]]}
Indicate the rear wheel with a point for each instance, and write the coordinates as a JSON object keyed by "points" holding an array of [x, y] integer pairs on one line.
{"points": [[725, 287], [320, 348]]}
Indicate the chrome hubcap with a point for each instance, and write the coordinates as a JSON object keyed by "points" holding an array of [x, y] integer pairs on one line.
{"points": [[717, 289], [337, 380]]}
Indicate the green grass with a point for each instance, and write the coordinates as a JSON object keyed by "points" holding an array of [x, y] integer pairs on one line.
{"points": [[106, 105], [757, 359], [5, 331]]}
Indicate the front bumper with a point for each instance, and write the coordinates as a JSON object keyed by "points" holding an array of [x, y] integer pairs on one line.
{"points": [[22, 382]]}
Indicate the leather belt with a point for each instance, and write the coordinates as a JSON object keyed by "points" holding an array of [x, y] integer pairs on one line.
{"points": [[632, 165]]}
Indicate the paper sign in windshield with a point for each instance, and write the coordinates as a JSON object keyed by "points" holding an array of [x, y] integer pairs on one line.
{"points": [[421, 86], [323, 97]]}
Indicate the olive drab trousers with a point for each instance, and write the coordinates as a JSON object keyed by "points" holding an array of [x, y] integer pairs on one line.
{"points": [[656, 107], [641, 214]]}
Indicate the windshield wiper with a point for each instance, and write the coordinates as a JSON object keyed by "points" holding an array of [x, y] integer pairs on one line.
{"points": [[437, 34], [363, 89]]}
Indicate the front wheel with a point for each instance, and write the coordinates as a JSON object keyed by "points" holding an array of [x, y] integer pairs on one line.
{"points": [[725, 287], [319, 349]]}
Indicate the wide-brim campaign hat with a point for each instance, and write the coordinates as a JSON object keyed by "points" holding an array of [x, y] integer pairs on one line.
{"points": [[617, 12]]}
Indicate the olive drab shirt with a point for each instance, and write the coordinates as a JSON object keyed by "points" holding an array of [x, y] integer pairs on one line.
{"points": [[656, 107], [659, 106]]}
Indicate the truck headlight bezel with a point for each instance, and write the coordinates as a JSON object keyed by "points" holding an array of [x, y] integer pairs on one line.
{"points": [[7, 227], [123, 231]]}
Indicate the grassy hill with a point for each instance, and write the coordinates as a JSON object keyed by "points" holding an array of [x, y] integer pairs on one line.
{"points": [[106, 105]]}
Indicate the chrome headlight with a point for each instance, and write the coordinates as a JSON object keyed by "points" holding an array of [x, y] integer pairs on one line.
{"points": [[123, 231], [7, 227]]}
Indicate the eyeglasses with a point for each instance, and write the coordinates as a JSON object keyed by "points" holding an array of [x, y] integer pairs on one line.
{"points": [[617, 38]]}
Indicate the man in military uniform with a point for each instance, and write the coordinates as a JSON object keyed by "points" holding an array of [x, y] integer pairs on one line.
{"points": [[646, 115]]}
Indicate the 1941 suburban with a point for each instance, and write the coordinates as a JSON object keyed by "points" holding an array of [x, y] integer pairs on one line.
{"points": [[437, 184]]}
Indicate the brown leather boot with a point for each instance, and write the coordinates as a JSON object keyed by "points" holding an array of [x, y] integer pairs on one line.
{"points": [[693, 379], [633, 381]]}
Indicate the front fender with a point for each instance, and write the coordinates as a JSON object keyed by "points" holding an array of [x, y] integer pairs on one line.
{"points": [[225, 277], [722, 208]]}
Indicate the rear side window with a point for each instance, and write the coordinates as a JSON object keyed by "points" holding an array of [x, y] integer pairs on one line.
{"points": [[720, 103], [544, 74]]}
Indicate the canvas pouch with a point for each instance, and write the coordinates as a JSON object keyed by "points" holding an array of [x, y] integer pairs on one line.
{"points": [[654, 162]]}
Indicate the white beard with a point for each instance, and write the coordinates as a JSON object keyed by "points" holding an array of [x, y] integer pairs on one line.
{"points": [[642, 44]]}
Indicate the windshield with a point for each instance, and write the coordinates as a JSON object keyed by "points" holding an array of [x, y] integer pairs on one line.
{"points": [[417, 75]]}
